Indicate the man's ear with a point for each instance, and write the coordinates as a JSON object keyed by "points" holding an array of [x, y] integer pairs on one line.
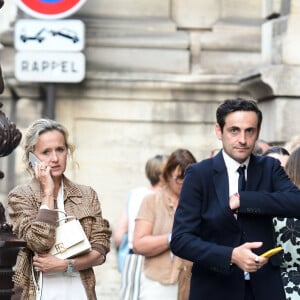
{"points": [[218, 131]]}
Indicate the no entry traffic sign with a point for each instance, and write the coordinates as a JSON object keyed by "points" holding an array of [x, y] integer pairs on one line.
{"points": [[50, 9]]}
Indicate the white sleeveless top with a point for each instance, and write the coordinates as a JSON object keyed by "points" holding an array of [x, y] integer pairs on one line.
{"points": [[63, 286]]}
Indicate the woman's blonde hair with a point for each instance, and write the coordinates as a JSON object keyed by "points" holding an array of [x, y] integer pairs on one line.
{"points": [[154, 168], [33, 133]]}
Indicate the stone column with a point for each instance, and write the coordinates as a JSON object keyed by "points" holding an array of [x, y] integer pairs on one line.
{"points": [[276, 82]]}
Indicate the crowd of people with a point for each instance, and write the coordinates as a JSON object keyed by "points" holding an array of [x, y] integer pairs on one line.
{"points": [[197, 231], [220, 229]]}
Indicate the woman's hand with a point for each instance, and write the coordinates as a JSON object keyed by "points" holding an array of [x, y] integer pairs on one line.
{"points": [[48, 263], [43, 175]]}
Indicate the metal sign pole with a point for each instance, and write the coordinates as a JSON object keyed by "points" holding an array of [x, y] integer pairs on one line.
{"points": [[50, 101]]}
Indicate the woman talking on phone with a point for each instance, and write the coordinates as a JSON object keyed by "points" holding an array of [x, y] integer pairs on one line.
{"points": [[34, 210]]}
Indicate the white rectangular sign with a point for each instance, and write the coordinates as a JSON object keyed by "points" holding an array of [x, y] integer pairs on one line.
{"points": [[55, 35], [50, 66]]}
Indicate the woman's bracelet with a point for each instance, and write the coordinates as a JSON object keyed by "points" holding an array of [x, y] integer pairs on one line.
{"points": [[168, 237]]}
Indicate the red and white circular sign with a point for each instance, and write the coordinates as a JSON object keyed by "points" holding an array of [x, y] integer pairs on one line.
{"points": [[50, 9]]}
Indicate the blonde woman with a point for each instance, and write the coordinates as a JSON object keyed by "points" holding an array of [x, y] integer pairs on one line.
{"points": [[32, 212]]}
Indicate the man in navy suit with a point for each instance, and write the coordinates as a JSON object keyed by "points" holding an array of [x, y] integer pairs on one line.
{"points": [[223, 229]]}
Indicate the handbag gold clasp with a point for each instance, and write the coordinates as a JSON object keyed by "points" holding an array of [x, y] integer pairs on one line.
{"points": [[60, 248]]}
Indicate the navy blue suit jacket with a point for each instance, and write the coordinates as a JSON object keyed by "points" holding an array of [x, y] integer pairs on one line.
{"points": [[205, 230]]}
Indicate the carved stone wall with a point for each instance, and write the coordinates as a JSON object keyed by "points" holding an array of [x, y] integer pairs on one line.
{"points": [[275, 82], [156, 71]]}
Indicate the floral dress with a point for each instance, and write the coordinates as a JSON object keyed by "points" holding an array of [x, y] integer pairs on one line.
{"points": [[287, 232]]}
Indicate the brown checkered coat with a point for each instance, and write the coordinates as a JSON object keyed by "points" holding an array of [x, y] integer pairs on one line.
{"points": [[37, 228]]}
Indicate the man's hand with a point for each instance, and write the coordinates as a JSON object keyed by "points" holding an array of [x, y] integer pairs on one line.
{"points": [[234, 202], [245, 259]]}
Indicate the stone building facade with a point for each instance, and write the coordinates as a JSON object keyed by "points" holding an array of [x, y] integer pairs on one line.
{"points": [[156, 71]]}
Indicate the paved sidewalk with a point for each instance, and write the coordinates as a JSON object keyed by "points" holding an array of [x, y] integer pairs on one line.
{"points": [[108, 278]]}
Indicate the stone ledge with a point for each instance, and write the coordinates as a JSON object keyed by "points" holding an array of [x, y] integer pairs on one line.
{"points": [[250, 42], [138, 59], [174, 40], [229, 62], [131, 24], [241, 25], [270, 81]]}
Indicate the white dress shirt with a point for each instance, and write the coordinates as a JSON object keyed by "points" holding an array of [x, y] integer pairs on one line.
{"points": [[233, 178]]}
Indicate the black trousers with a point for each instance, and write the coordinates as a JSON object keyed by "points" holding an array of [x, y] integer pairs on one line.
{"points": [[248, 291]]}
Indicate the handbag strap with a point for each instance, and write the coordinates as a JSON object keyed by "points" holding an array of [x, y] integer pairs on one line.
{"points": [[38, 287], [66, 217], [60, 201], [60, 211]]}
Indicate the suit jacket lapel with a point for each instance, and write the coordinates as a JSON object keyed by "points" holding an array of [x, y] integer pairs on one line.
{"points": [[221, 180], [254, 173]]}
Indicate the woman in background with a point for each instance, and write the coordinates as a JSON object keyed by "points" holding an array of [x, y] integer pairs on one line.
{"points": [[279, 153], [132, 266], [153, 228], [287, 232]]}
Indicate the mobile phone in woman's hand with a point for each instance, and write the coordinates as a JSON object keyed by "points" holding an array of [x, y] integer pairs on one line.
{"points": [[33, 160]]}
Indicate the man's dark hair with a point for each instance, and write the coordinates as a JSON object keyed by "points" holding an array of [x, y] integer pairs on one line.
{"points": [[238, 104]]}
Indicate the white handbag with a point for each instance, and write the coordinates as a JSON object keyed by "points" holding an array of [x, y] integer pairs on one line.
{"points": [[70, 239]]}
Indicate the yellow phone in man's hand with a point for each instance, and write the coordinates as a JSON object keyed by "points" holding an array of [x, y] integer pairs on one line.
{"points": [[271, 252]]}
